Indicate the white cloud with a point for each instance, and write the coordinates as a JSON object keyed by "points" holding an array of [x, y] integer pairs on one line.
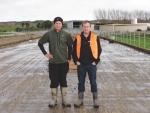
{"points": [[24, 10]]}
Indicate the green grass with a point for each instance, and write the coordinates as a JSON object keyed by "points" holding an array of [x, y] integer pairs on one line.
{"points": [[139, 42], [10, 28]]}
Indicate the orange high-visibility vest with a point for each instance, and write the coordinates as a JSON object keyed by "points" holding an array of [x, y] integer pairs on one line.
{"points": [[93, 45]]}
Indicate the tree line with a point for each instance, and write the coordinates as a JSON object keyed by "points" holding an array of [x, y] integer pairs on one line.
{"points": [[122, 16], [40, 25]]}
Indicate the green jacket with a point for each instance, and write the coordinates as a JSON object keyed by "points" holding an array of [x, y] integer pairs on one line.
{"points": [[58, 44]]}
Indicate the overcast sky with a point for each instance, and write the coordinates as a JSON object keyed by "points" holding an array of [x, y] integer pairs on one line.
{"points": [[31, 10]]}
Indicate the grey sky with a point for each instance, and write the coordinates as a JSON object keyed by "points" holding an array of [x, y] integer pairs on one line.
{"points": [[30, 10]]}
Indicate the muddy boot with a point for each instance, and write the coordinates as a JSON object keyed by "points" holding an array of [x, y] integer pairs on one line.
{"points": [[95, 100], [64, 97], [80, 99], [54, 92]]}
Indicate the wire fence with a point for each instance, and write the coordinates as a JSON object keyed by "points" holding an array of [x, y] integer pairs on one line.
{"points": [[138, 38]]}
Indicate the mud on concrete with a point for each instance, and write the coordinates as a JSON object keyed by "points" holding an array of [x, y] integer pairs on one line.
{"points": [[123, 79]]}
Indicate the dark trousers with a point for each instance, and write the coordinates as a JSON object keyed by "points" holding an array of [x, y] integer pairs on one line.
{"points": [[58, 74], [91, 70]]}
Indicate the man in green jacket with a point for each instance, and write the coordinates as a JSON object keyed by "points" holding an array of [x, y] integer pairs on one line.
{"points": [[60, 48]]}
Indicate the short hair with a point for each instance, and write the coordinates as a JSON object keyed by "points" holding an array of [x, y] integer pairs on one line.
{"points": [[86, 21]]}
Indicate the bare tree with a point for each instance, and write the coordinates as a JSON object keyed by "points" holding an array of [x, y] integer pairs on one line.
{"points": [[121, 16]]}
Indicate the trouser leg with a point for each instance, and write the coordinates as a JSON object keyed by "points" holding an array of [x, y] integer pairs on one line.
{"points": [[63, 70], [92, 77], [54, 75], [81, 70]]}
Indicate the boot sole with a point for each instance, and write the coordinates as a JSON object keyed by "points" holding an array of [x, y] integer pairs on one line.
{"points": [[96, 106], [52, 105], [66, 105], [76, 106]]}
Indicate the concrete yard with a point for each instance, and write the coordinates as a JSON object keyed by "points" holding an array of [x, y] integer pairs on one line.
{"points": [[123, 78]]}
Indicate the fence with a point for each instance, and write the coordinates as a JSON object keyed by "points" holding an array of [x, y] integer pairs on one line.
{"points": [[138, 38]]}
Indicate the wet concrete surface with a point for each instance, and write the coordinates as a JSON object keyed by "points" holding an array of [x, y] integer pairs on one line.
{"points": [[123, 79]]}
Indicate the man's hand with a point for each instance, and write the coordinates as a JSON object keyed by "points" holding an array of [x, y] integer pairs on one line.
{"points": [[78, 63], [49, 56], [93, 63], [69, 61]]}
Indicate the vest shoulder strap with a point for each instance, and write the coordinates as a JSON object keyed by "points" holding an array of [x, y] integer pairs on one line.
{"points": [[93, 35], [78, 36]]}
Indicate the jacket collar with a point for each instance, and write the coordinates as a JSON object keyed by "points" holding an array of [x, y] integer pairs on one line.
{"points": [[83, 34], [56, 31]]}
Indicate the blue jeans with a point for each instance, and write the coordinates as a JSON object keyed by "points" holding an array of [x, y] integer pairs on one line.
{"points": [[81, 70]]}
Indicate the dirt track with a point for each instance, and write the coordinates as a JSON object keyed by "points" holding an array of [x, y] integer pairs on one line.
{"points": [[123, 79], [18, 39]]}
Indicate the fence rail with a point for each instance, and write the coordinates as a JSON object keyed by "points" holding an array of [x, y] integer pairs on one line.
{"points": [[139, 38]]}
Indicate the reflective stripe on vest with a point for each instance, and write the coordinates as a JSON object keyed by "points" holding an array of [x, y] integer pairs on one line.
{"points": [[93, 45]]}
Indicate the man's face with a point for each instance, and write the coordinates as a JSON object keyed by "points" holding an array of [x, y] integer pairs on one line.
{"points": [[58, 25], [86, 28]]}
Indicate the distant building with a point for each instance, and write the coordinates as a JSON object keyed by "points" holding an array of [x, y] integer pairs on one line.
{"points": [[74, 24], [78, 24], [123, 27], [134, 26]]}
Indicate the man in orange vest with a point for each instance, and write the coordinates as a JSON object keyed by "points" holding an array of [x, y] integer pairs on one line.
{"points": [[86, 53]]}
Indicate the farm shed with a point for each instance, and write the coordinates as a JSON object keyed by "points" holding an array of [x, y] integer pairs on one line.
{"points": [[123, 27]]}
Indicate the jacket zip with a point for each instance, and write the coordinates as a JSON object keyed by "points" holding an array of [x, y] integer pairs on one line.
{"points": [[58, 39]]}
